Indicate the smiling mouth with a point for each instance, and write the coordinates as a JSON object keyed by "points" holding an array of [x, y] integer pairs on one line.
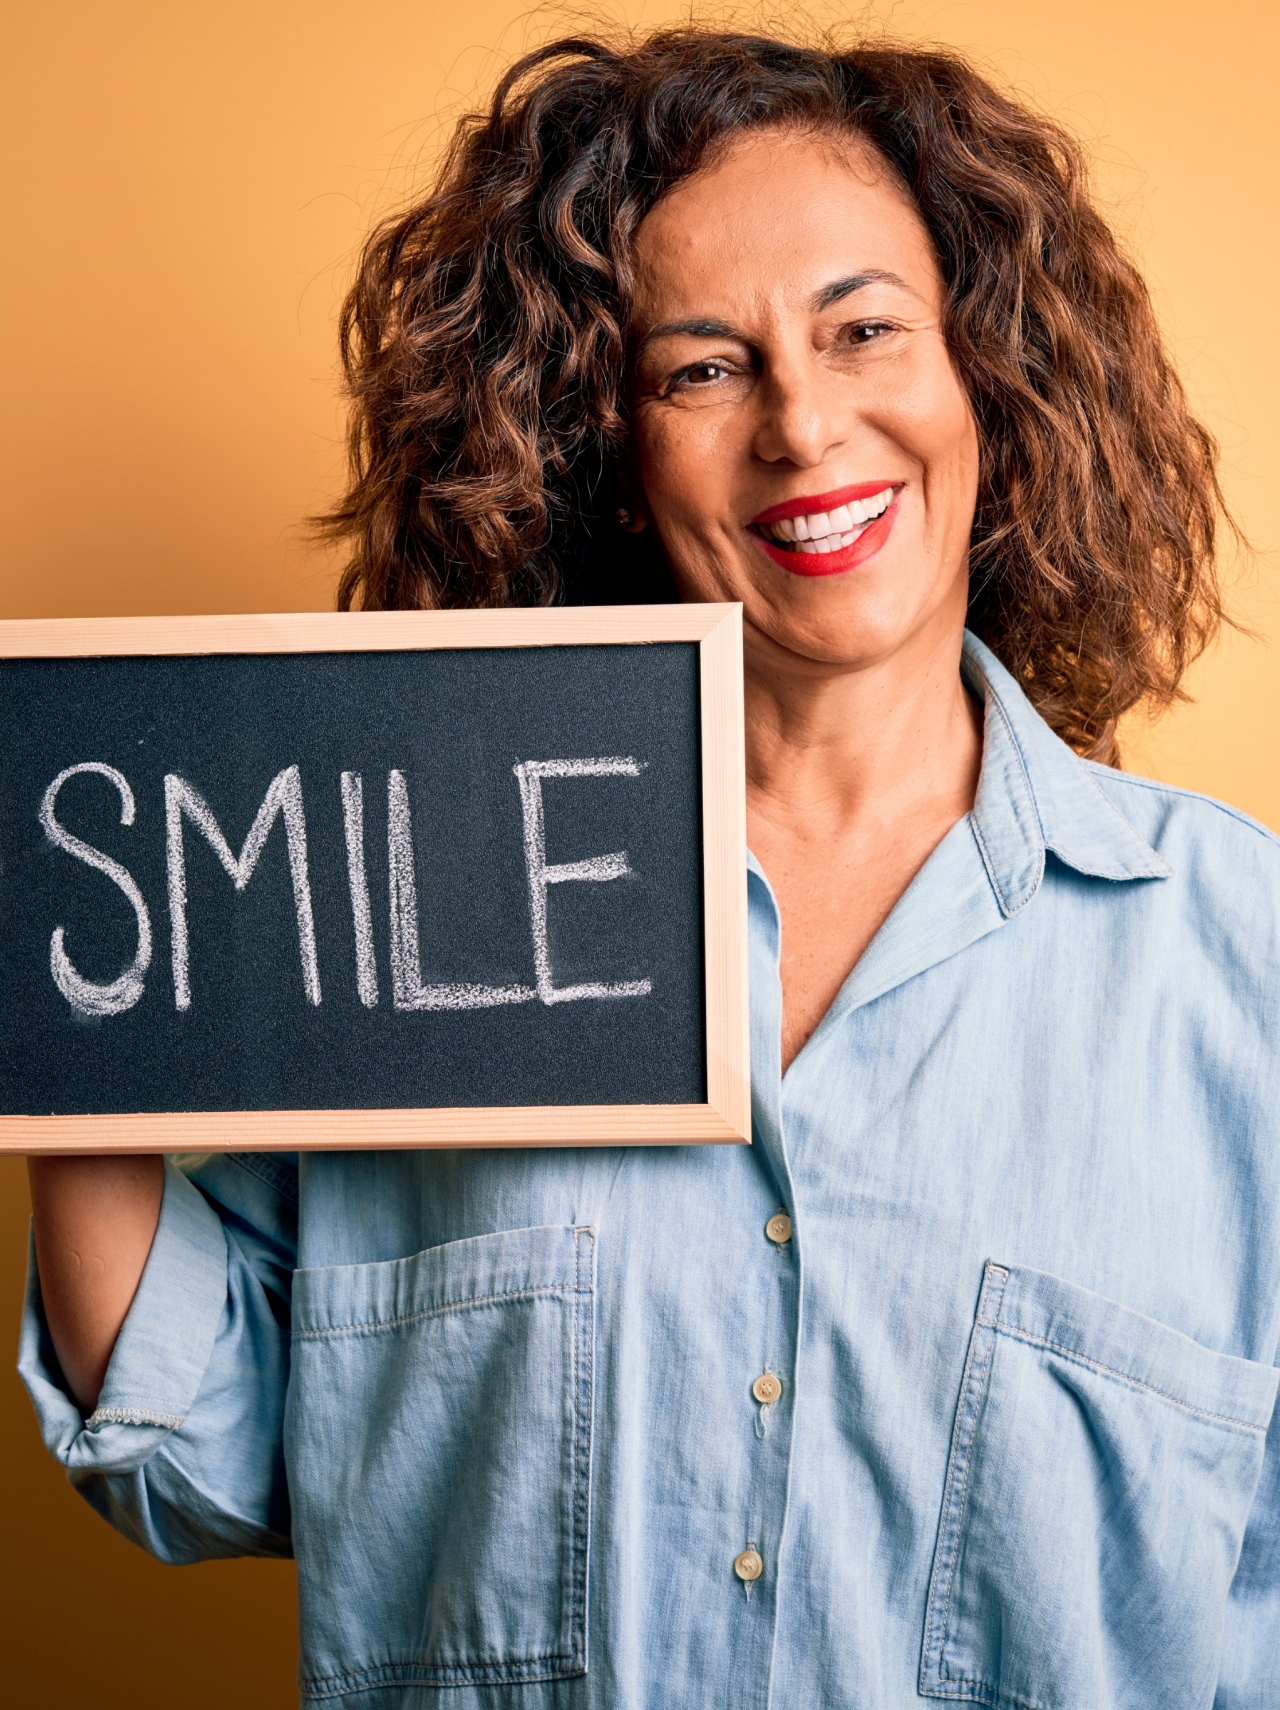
{"points": [[820, 532]]}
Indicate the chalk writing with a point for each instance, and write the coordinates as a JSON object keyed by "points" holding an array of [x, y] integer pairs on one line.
{"points": [[599, 868], [358, 882], [84, 995], [408, 991], [184, 805], [283, 797]]}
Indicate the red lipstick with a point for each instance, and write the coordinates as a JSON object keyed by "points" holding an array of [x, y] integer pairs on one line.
{"points": [[869, 542]]}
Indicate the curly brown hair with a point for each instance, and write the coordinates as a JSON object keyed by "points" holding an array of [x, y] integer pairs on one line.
{"points": [[484, 345]]}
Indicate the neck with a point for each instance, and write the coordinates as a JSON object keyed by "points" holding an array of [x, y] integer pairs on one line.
{"points": [[828, 745]]}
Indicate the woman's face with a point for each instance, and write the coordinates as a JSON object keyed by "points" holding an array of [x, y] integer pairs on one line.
{"points": [[802, 442]]}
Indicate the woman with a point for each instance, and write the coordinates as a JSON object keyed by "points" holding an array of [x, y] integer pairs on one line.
{"points": [[957, 1382]]}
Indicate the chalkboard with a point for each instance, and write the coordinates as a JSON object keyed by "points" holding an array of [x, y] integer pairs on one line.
{"points": [[371, 879]]}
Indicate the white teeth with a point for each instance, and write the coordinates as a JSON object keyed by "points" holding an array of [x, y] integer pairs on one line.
{"points": [[829, 531]]}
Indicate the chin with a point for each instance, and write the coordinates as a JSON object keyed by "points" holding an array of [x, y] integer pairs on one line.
{"points": [[850, 625]]}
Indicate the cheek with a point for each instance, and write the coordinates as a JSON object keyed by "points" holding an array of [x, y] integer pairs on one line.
{"points": [[950, 458], [679, 459], [944, 429]]}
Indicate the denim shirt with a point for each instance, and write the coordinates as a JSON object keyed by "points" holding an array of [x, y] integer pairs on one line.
{"points": [[1018, 1327]]}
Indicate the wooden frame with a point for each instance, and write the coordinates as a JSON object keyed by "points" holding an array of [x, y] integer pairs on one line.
{"points": [[726, 1116]]}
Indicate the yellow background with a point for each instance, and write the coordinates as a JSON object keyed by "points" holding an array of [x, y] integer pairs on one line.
{"points": [[185, 185]]}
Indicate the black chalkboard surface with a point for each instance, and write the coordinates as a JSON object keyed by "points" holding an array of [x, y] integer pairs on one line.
{"points": [[432, 878]]}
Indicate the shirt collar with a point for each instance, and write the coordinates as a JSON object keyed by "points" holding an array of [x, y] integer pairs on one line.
{"points": [[1035, 794]]}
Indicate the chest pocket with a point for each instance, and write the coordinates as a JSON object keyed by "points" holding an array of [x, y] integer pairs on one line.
{"points": [[1102, 1469], [439, 1446]]}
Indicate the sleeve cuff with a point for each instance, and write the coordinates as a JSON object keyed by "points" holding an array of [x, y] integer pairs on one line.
{"points": [[161, 1354]]}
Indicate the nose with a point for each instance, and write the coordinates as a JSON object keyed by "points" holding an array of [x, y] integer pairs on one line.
{"points": [[803, 415]]}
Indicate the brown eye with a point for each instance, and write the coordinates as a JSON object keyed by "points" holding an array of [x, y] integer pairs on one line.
{"points": [[710, 375]]}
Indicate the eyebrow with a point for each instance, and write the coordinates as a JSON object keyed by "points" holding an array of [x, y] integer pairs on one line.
{"points": [[692, 329], [826, 298], [839, 289]]}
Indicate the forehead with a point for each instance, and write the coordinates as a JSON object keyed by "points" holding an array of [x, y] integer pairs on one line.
{"points": [[776, 215]]}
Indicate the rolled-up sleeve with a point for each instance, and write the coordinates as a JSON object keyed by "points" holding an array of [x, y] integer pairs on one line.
{"points": [[183, 1452]]}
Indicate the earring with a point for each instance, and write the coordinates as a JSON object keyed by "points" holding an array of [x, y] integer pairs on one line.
{"points": [[625, 516]]}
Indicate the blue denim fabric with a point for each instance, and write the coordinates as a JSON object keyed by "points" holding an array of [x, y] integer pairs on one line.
{"points": [[500, 1404]]}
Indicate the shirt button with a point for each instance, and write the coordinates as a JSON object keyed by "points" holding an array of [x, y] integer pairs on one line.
{"points": [[766, 1388], [748, 1565], [778, 1228]]}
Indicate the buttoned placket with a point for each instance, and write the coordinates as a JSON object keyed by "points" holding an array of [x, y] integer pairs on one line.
{"points": [[961, 903], [776, 1245]]}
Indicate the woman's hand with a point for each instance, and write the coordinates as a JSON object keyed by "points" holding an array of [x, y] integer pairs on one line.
{"points": [[95, 1219]]}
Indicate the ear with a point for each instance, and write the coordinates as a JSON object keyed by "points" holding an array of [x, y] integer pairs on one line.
{"points": [[631, 515]]}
